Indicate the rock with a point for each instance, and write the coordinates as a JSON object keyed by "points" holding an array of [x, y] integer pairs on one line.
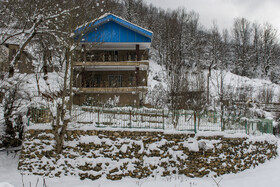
{"points": [[114, 170], [97, 168]]}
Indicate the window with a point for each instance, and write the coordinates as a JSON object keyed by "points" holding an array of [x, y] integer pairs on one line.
{"points": [[115, 81], [131, 79], [92, 81]]}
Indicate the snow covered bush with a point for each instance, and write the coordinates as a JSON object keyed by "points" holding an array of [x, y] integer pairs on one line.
{"points": [[15, 107], [157, 96]]}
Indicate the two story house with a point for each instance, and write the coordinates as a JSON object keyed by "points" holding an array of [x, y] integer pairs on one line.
{"points": [[111, 62]]}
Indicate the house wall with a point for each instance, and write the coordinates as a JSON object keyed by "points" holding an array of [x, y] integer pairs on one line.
{"points": [[4, 55], [141, 154], [24, 65], [128, 80]]}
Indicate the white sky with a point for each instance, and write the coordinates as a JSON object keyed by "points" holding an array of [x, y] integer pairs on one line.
{"points": [[224, 11]]}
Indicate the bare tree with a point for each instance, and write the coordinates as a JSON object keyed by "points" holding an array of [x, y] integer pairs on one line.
{"points": [[40, 19], [213, 55], [242, 35], [269, 44]]}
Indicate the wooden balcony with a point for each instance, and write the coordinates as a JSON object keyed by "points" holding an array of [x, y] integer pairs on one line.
{"points": [[113, 90], [110, 63]]}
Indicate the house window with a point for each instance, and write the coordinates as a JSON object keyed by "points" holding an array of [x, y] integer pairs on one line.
{"points": [[115, 81], [130, 79], [92, 81]]}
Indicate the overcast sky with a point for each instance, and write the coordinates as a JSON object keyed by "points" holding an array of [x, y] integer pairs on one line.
{"points": [[224, 11]]}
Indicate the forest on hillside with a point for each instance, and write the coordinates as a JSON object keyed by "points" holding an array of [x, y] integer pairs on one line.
{"points": [[179, 40]]}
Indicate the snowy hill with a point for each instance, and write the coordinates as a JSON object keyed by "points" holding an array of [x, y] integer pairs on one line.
{"points": [[235, 87]]}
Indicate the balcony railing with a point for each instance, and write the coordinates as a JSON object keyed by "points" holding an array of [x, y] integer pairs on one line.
{"points": [[110, 58], [119, 63], [113, 90]]}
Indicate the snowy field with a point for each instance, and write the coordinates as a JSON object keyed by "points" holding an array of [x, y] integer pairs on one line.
{"points": [[266, 174]]}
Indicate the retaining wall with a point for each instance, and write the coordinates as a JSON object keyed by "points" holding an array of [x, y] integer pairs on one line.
{"points": [[139, 154]]}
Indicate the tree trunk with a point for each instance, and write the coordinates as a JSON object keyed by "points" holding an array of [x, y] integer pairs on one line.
{"points": [[208, 85], [71, 85], [45, 66], [59, 130], [222, 117]]}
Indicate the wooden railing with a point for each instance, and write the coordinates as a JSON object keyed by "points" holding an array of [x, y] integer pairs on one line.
{"points": [[123, 63], [113, 90]]}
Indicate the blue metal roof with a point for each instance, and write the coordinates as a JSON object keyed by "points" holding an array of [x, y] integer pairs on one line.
{"points": [[110, 28]]}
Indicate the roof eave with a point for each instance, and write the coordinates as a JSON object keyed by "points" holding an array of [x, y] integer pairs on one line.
{"points": [[111, 17]]}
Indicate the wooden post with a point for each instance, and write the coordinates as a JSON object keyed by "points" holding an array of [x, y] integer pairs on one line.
{"points": [[130, 118], [246, 128], [194, 114], [137, 76], [98, 118], [163, 119], [138, 52]]}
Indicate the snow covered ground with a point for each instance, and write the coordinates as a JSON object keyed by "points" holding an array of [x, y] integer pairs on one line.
{"points": [[266, 174]]}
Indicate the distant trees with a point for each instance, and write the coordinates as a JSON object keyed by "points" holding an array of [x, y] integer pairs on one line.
{"points": [[241, 43], [255, 49], [213, 55]]}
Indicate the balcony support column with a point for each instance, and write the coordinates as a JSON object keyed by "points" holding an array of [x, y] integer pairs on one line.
{"points": [[137, 76], [138, 52]]}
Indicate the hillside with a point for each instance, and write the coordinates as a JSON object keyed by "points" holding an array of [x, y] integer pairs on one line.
{"points": [[259, 93]]}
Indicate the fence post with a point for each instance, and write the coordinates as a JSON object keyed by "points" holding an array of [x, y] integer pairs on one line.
{"points": [[216, 117], [271, 127], [130, 118], [246, 128], [98, 118], [221, 118], [163, 119], [194, 120]]}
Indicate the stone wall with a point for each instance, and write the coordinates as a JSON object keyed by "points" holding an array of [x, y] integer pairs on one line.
{"points": [[139, 154]]}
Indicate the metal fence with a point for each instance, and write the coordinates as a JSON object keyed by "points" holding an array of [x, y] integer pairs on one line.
{"points": [[180, 120], [145, 118], [40, 115]]}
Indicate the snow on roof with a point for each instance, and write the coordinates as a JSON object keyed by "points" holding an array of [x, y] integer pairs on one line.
{"points": [[111, 17]]}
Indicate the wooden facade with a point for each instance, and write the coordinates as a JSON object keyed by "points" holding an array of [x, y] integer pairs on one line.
{"points": [[24, 64], [105, 80], [114, 69]]}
